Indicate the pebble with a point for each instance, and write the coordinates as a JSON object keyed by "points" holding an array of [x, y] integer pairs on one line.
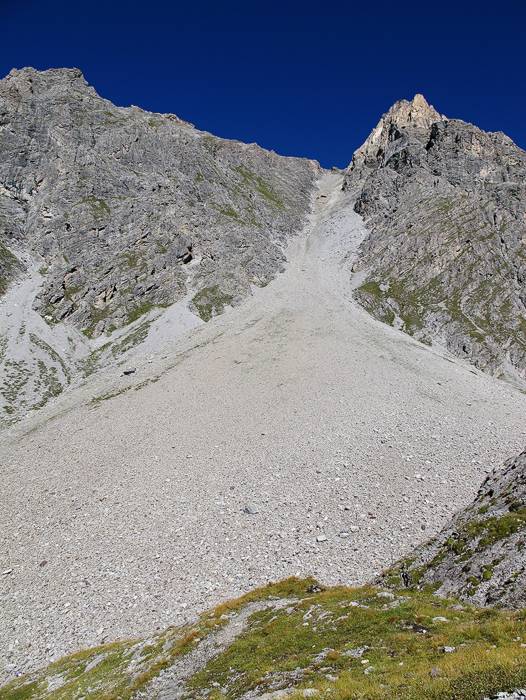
{"points": [[250, 510]]}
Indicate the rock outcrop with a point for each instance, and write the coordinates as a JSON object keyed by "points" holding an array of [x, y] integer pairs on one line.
{"points": [[123, 212], [481, 555], [445, 260]]}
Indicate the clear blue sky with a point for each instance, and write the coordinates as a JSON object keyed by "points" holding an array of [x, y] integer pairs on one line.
{"points": [[300, 78]]}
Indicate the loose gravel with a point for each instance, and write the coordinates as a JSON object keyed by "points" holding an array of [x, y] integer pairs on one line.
{"points": [[293, 435]]}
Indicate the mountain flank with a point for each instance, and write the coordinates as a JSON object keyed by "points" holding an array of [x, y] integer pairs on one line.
{"points": [[207, 446], [480, 556], [111, 216], [445, 258], [116, 214]]}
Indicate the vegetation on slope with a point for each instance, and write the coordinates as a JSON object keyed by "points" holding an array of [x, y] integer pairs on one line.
{"points": [[479, 555], [363, 643]]}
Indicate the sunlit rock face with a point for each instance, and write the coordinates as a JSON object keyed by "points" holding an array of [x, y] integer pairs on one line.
{"points": [[445, 260]]}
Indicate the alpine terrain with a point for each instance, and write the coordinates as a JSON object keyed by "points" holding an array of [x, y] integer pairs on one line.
{"points": [[221, 368]]}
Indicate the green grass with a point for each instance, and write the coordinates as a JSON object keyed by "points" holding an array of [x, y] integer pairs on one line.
{"points": [[139, 311], [97, 315], [230, 212], [8, 264], [96, 400], [261, 186], [131, 339], [99, 207], [133, 259], [210, 302], [311, 642]]}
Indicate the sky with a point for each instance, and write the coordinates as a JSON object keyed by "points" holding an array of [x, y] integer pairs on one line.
{"points": [[301, 78]]}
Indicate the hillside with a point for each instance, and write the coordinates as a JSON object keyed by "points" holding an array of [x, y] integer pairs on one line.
{"points": [[445, 258], [109, 215], [293, 435], [296, 640], [479, 556], [207, 446], [120, 226]]}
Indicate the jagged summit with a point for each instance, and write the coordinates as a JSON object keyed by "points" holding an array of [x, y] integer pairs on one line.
{"points": [[55, 75], [444, 203], [416, 113]]}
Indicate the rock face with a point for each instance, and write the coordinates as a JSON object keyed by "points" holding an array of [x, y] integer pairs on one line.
{"points": [[481, 555], [445, 261], [121, 212]]}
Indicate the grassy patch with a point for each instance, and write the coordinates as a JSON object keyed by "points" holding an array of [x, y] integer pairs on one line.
{"points": [[346, 643], [96, 400], [139, 311], [133, 259], [8, 264], [99, 208], [132, 339], [230, 212], [210, 302], [97, 315], [261, 186]]}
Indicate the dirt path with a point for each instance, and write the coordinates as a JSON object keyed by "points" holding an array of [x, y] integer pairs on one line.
{"points": [[293, 435]]}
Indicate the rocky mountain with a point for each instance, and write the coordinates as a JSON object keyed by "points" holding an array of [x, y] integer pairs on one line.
{"points": [[295, 435], [109, 215], [445, 259], [480, 556]]}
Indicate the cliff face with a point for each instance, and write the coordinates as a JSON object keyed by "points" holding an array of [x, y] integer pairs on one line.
{"points": [[115, 213], [445, 261], [480, 555]]}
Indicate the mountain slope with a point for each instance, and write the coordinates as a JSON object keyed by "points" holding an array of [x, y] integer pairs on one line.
{"points": [[480, 555], [294, 435], [445, 261], [296, 640], [116, 213]]}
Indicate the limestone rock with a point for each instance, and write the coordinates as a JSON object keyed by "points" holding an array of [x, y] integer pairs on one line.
{"points": [[481, 555], [124, 212], [445, 260]]}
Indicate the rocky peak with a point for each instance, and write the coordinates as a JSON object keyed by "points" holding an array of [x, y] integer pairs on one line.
{"points": [[20, 83], [416, 113]]}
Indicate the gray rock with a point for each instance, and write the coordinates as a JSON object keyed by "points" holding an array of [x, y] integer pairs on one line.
{"points": [[446, 256], [480, 556], [125, 212]]}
